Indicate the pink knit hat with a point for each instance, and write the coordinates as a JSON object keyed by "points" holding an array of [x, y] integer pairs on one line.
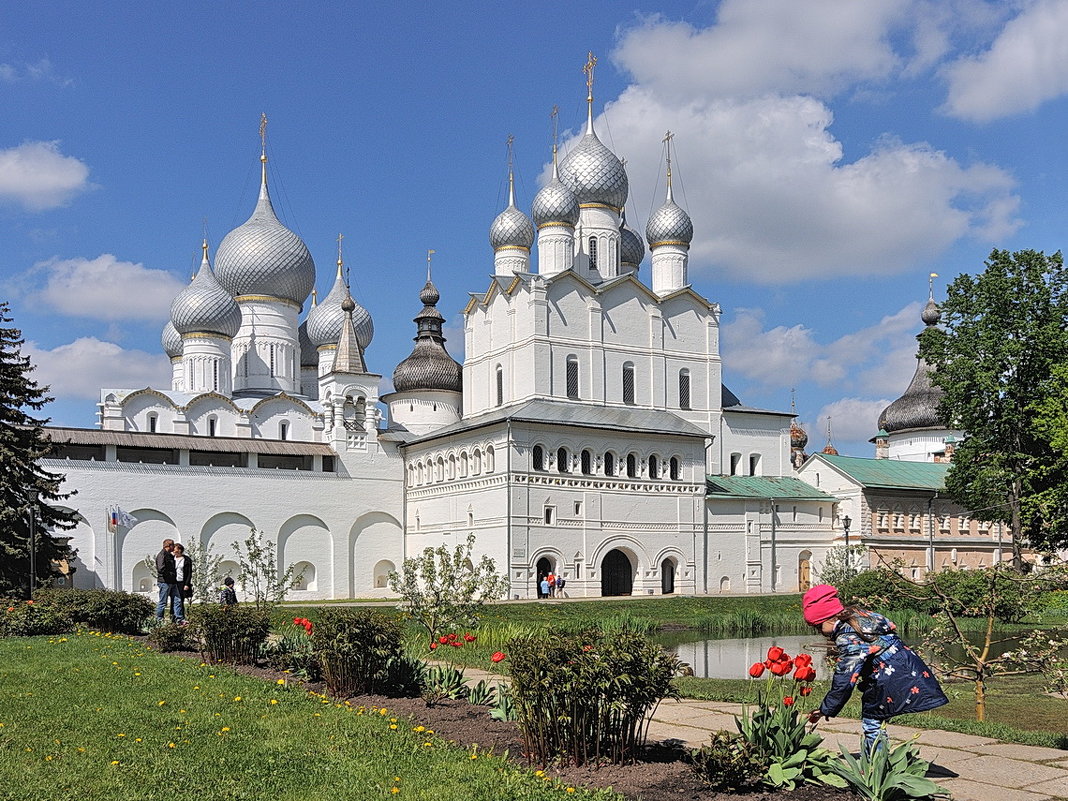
{"points": [[820, 603]]}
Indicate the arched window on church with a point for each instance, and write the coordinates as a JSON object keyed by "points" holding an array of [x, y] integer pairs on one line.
{"points": [[684, 389], [628, 383], [632, 466], [586, 462], [213, 426], [563, 460], [153, 419], [500, 385], [283, 430], [572, 377], [674, 468], [538, 458], [654, 467], [593, 252], [609, 464]]}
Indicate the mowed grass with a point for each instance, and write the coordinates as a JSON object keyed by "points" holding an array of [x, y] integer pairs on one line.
{"points": [[92, 716]]}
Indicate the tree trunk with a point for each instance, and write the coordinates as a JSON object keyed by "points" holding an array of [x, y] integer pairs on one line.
{"points": [[980, 699], [1016, 525]]}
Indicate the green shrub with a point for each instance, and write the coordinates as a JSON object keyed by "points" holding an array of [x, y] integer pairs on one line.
{"points": [[29, 619], [104, 610], [360, 652], [729, 762], [293, 654], [171, 637], [233, 634], [1054, 602], [886, 774], [441, 682], [586, 697]]}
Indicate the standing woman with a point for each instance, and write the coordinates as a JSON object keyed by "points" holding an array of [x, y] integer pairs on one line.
{"points": [[893, 680], [183, 573]]}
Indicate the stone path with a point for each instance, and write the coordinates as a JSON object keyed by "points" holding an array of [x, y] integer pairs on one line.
{"points": [[971, 768]]}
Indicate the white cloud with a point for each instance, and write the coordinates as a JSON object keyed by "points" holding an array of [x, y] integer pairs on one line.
{"points": [[877, 359], [756, 46], [41, 70], [773, 202], [103, 288], [853, 420], [37, 176], [1026, 65], [78, 369]]}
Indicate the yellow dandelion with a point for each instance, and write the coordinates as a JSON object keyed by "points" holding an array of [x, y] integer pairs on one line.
{"points": [[237, 697], [138, 740], [48, 758], [539, 773], [419, 728], [280, 681], [392, 720], [226, 728], [382, 711], [393, 725], [274, 700], [429, 731], [571, 789], [120, 735], [114, 762], [196, 687], [81, 750], [181, 711], [316, 715], [161, 703], [171, 745], [137, 674], [395, 790], [474, 756]]}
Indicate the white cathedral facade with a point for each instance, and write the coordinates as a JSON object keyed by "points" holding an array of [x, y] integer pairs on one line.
{"points": [[588, 431]]}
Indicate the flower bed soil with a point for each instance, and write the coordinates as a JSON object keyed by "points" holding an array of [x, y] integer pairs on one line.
{"points": [[658, 775]]}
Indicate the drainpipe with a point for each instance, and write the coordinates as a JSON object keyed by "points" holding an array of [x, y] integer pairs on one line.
{"points": [[774, 512], [508, 502], [930, 535], [709, 442]]}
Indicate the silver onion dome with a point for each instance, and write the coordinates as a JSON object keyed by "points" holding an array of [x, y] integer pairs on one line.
{"points": [[429, 366], [204, 306], [172, 341], [555, 204], [512, 228], [631, 247], [309, 357], [669, 224], [325, 320], [263, 257], [918, 407], [593, 172]]}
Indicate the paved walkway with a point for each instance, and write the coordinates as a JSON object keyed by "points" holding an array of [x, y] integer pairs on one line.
{"points": [[971, 768]]}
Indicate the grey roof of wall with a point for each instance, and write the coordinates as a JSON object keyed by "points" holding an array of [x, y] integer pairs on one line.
{"points": [[185, 442]]}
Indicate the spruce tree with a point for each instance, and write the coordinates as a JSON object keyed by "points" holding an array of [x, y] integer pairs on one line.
{"points": [[27, 491]]}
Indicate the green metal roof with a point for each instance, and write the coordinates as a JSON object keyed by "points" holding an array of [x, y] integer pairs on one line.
{"points": [[890, 473], [764, 487]]}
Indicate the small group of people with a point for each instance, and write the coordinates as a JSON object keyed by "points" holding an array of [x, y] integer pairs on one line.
{"points": [[551, 586], [174, 574]]}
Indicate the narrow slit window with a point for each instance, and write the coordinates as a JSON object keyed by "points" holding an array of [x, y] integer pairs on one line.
{"points": [[572, 377], [628, 383], [684, 389]]}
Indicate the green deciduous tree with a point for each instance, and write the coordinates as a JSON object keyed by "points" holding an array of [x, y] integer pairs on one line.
{"points": [[27, 492], [260, 574], [994, 357], [442, 588]]}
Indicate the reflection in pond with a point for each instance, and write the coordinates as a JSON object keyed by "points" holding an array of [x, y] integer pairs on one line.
{"points": [[730, 659]]}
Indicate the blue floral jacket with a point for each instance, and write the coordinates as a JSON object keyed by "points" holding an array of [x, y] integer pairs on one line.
{"points": [[889, 674]]}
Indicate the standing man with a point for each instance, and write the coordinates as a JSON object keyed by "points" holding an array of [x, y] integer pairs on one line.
{"points": [[168, 581]]}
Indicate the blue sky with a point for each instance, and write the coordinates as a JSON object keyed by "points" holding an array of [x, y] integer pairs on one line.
{"points": [[831, 154]]}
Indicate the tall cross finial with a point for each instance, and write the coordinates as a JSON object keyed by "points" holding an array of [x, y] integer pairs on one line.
{"points": [[591, 62], [930, 284], [667, 143], [793, 399], [429, 255], [554, 115], [263, 136], [340, 260], [511, 180]]}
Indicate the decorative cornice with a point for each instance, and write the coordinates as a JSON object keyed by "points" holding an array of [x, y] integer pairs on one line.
{"points": [[206, 335], [512, 247], [267, 299], [616, 209], [676, 242]]}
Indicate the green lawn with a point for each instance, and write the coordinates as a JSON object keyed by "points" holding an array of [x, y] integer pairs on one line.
{"points": [[91, 716]]}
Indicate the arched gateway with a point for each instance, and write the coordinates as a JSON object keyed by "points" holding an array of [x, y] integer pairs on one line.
{"points": [[617, 574]]}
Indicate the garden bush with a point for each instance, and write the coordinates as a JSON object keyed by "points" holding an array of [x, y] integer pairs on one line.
{"points": [[28, 619], [292, 652], [171, 637], [729, 762], [233, 634], [360, 653], [587, 697], [104, 610]]}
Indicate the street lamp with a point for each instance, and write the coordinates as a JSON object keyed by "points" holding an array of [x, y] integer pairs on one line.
{"points": [[845, 527]]}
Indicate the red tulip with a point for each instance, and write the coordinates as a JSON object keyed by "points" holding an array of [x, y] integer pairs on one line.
{"points": [[775, 653], [296, 621], [451, 636], [433, 645], [803, 659], [788, 701], [780, 668], [497, 657], [805, 691], [756, 670], [443, 640], [808, 674], [469, 638], [456, 644]]}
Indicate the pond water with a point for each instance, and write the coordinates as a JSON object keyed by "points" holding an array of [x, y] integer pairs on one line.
{"points": [[731, 658]]}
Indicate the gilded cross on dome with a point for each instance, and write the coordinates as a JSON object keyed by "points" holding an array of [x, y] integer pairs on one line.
{"points": [[263, 136], [591, 62]]}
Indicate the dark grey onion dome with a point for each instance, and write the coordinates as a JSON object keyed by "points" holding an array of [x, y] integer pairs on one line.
{"points": [[918, 407], [309, 356], [594, 174], [204, 307], [555, 204], [172, 341], [325, 320], [631, 247], [512, 228], [429, 366], [669, 225], [263, 257]]}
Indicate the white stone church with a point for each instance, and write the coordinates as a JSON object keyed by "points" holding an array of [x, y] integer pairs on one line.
{"points": [[588, 431]]}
